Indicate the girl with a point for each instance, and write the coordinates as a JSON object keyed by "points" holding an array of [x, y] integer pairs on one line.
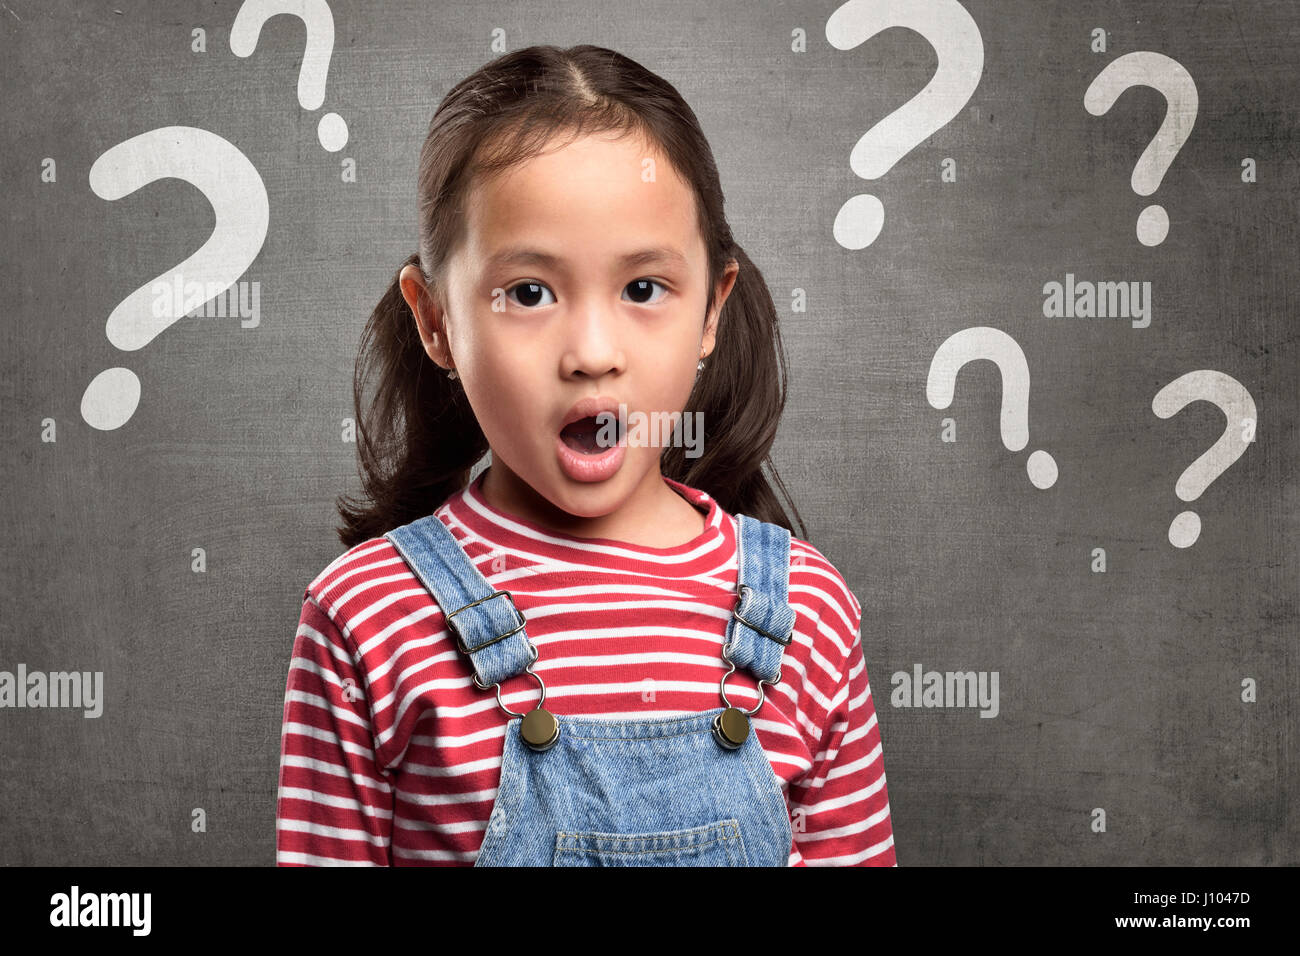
{"points": [[599, 651]]}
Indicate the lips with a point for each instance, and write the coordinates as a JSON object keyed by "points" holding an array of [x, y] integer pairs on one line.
{"points": [[580, 455], [589, 408], [581, 428]]}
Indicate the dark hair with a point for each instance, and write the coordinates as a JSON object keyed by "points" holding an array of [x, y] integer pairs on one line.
{"points": [[417, 437]]}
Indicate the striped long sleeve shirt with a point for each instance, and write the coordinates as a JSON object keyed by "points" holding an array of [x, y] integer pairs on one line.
{"points": [[391, 756]]}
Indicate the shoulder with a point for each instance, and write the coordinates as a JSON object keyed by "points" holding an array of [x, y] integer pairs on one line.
{"points": [[357, 565], [368, 586], [818, 587]]}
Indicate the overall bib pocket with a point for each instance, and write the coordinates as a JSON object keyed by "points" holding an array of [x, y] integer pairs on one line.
{"points": [[714, 844]]}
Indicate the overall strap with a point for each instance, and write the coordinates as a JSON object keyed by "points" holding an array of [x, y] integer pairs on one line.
{"points": [[762, 623], [487, 625]]}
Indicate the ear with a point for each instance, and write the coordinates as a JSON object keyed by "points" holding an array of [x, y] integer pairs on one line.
{"points": [[430, 317], [721, 292]]}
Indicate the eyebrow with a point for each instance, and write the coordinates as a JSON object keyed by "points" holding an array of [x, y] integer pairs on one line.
{"points": [[521, 255]]}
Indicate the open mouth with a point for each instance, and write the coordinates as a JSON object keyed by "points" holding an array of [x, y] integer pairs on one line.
{"points": [[586, 435]]}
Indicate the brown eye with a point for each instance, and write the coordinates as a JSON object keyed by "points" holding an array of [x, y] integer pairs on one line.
{"points": [[642, 289], [530, 293]]}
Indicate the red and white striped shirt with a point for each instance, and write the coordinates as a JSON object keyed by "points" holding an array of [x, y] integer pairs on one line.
{"points": [[390, 756]]}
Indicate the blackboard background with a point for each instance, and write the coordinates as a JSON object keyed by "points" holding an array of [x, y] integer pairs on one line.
{"points": [[1119, 691]]}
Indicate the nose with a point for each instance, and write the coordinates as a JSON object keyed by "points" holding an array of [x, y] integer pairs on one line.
{"points": [[593, 343]]}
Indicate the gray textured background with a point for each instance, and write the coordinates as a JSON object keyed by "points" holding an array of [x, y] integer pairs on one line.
{"points": [[1118, 690]]}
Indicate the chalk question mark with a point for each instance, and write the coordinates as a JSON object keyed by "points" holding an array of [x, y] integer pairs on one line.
{"points": [[1235, 402], [983, 342], [332, 131], [232, 185], [960, 48], [1166, 75]]}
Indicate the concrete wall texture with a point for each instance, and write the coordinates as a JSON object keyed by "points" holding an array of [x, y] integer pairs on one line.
{"points": [[170, 482]]}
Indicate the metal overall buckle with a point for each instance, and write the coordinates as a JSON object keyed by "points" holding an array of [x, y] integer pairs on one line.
{"points": [[460, 638], [539, 728], [731, 727]]}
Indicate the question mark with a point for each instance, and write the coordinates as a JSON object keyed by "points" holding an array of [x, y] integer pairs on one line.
{"points": [[960, 48], [1166, 75], [983, 342], [332, 131], [232, 185], [1235, 402]]}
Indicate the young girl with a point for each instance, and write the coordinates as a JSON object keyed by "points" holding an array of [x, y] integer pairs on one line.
{"points": [[601, 651]]}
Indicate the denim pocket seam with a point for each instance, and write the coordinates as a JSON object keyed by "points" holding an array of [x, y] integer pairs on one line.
{"points": [[724, 834], [730, 824]]}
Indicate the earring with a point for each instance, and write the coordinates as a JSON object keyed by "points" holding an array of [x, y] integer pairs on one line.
{"points": [[700, 366], [451, 375]]}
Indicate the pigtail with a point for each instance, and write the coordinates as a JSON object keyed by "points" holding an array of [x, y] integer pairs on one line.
{"points": [[417, 437], [741, 394]]}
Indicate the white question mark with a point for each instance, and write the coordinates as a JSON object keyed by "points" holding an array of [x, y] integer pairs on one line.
{"points": [[1235, 402], [332, 131], [232, 185], [960, 48], [1166, 75], [983, 342]]}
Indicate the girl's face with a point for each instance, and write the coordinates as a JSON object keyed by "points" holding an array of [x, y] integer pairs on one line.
{"points": [[583, 275]]}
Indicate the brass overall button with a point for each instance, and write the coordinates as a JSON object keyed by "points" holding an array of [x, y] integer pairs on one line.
{"points": [[539, 729], [731, 728]]}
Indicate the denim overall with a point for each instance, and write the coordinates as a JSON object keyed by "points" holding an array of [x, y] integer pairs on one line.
{"points": [[660, 792]]}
